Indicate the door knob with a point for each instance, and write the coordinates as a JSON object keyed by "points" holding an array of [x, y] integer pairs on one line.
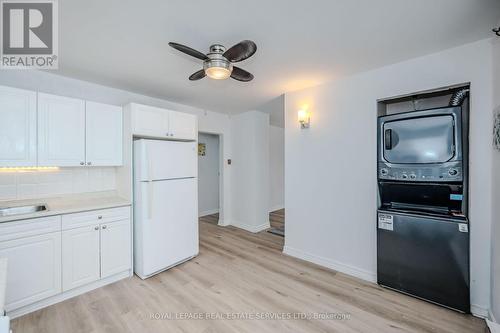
{"points": [[96, 227], [104, 227], [81, 163]]}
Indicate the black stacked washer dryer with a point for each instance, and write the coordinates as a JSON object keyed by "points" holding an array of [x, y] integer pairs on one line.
{"points": [[423, 230]]}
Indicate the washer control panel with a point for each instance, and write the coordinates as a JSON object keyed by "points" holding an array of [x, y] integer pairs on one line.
{"points": [[441, 173]]}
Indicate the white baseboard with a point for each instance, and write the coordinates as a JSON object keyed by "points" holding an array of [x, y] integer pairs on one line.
{"points": [[332, 264], [493, 326], [251, 228], [68, 294], [479, 311], [223, 222], [275, 208], [491, 317], [208, 212]]}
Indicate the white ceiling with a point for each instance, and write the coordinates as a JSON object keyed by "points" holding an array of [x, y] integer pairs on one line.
{"points": [[123, 43]]}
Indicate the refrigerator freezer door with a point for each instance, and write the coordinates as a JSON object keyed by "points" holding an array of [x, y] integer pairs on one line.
{"points": [[166, 224], [425, 257], [158, 160]]}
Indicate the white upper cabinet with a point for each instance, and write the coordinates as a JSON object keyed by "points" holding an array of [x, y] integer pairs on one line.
{"points": [[61, 131], [182, 126], [17, 127], [72, 132], [148, 121], [104, 126]]}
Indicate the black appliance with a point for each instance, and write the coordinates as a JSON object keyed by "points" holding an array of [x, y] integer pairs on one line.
{"points": [[422, 229], [421, 146]]}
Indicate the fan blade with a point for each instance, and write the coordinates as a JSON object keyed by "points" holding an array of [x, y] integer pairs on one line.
{"points": [[188, 50], [241, 75], [197, 75], [241, 51]]}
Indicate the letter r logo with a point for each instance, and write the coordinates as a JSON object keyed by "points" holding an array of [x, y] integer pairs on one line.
{"points": [[27, 27]]}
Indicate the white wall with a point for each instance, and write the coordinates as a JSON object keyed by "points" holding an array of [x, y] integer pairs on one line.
{"points": [[208, 175], [330, 169], [250, 171], [276, 168], [208, 121], [495, 232]]}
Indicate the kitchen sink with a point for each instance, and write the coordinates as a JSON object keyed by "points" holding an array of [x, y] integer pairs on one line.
{"points": [[20, 210]]}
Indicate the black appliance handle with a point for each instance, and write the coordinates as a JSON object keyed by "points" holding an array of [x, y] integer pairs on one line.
{"points": [[388, 139]]}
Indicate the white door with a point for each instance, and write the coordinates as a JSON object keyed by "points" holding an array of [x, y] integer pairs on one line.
{"points": [[80, 256], [182, 126], [103, 134], [17, 127], [115, 248], [33, 269], [169, 223], [61, 131], [157, 159], [149, 121]]}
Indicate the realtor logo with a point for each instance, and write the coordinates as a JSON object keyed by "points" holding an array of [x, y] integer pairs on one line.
{"points": [[29, 34]]}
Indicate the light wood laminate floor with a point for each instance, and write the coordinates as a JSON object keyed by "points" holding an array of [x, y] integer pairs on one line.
{"points": [[235, 273]]}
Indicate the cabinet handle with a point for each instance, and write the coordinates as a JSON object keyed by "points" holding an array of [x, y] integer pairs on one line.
{"points": [[104, 227], [96, 227], [167, 134], [99, 217], [89, 163], [171, 134], [81, 163]]}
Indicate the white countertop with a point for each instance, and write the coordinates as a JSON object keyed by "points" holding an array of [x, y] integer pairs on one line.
{"points": [[67, 204]]}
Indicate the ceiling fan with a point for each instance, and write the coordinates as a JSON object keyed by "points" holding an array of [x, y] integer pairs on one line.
{"points": [[218, 63]]}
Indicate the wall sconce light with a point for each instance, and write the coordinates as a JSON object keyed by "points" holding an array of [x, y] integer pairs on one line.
{"points": [[304, 118]]}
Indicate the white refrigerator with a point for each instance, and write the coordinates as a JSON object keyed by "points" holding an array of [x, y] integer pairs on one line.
{"points": [[165, 205]]}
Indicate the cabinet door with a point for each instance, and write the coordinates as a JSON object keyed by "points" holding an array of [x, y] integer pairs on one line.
{"points": [[104, 139], [182, 126], [115, 248], [17, 127], [33, 269], [149, 121], [80, 256], [61, 131]]}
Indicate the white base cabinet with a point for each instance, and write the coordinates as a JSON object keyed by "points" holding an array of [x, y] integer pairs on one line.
{"points": [[115, 248], [33, 269], [80, 256], [96, 245], [53, 258]]}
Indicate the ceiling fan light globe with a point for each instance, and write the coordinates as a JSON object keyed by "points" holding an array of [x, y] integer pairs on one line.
{"points": [[218, 73], [217, 67]]}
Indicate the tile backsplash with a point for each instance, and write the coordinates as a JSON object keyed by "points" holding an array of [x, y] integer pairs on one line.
{"points": [[18, 185]]}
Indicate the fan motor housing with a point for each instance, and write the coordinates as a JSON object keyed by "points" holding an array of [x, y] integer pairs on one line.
{"points": [[216, 59]]}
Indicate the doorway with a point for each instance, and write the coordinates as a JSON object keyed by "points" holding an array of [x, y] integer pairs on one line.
{"points": [[209, 164]]}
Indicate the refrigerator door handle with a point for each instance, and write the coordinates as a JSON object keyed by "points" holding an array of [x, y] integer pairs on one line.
{"points": [[150, 199], [150, 165], [150, 183]]}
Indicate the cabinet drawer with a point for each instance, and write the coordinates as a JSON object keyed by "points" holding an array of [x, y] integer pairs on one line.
{"points": [[77, 220], [31, 227]]}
